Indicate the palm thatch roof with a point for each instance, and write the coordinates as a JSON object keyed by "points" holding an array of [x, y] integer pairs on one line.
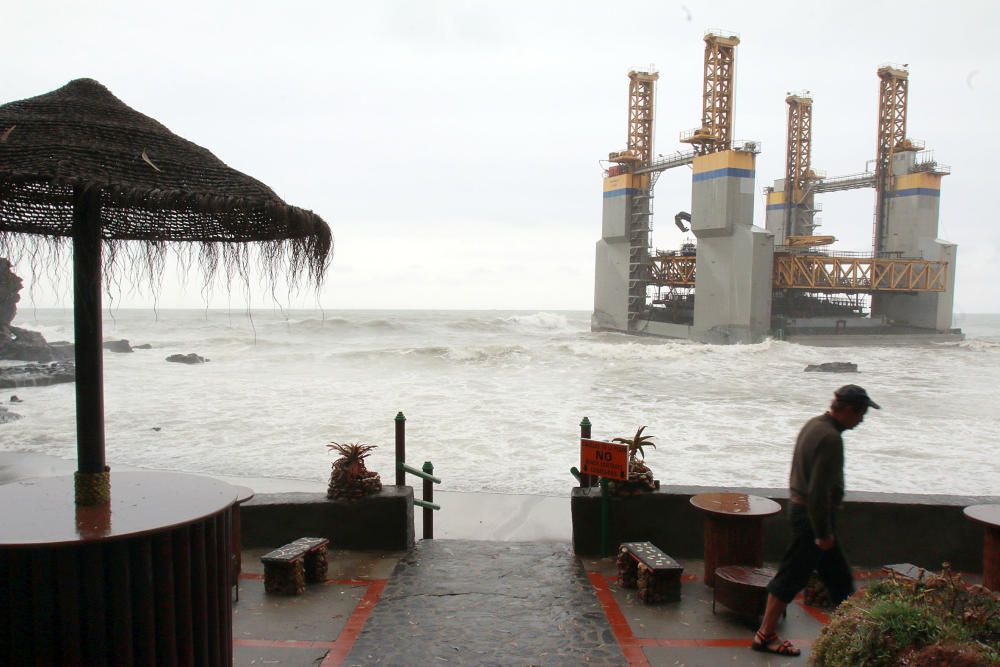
{"points": [[155, 187]]}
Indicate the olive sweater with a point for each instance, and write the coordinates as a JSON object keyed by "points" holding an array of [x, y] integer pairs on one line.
{"points": [[818, 471]]}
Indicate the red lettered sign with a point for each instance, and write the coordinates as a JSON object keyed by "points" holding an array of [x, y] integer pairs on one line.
{"points": [[604, 459]]}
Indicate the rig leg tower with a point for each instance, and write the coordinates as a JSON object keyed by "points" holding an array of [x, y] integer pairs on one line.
{"points": [[734, 258], [908, 186], [622, 256]]}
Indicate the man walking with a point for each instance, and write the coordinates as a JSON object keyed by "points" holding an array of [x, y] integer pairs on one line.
{"points": [[816, 488]]}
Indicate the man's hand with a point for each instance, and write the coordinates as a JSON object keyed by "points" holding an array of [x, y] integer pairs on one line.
{"points": [[825, 543]]}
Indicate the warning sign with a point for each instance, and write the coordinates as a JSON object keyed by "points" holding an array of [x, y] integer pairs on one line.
{"points": [[604, 459]]}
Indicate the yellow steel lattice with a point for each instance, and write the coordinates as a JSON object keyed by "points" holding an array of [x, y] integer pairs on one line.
{"points": [[640, 114], [715, 133], [675, 271], [893, 90], [822, 273]]}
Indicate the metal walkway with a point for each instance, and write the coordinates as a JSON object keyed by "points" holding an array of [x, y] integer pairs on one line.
{"points": [[825, 273]]}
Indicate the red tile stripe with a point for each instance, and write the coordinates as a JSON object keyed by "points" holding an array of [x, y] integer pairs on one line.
{"points": [[820, 616], [345, 642], [619, 626], [338, 649], [281, 643]]}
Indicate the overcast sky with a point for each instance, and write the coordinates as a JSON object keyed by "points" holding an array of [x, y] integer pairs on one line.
{"points": [[455, 147]]}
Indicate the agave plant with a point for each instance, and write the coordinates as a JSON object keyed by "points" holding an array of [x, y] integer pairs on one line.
{"points": [[640, 477], [349, 477], [636, 443]]}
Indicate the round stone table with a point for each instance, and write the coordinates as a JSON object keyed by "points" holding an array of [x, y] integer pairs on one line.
{"points": [[142, 580], [734, 529], [989, 516]]}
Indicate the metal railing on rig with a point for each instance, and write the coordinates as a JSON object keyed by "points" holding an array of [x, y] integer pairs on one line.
{"points": [[426, 474]]}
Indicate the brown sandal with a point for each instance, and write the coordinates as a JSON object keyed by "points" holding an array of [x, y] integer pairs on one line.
{"points": [[771, 644]]}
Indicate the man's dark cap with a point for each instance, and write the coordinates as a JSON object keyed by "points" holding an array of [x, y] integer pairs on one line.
{"points": [[852, 393]]}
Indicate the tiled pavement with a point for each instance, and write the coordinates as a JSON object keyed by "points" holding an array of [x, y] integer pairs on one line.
{"points": [[459, 602]]}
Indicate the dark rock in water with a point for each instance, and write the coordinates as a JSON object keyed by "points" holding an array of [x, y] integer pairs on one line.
{"points": [[117, 345], [191, 358], [6, 416], [833, 367], [16, 399], [144, 346], [37, 375]]}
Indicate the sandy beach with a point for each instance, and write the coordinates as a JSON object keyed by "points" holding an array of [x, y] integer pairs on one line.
{"points": [[470, 516]]}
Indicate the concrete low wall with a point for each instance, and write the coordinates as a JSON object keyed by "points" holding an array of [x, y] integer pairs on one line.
{"points": [[874, 528], [383, 521]]}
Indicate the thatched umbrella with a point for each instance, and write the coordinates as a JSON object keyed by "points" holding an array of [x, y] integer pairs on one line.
{"points": [[79, 165]]}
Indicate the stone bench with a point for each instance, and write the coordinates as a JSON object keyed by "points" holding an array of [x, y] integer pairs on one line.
{"points": [[657, 576], [742, 588], [288, 568]]}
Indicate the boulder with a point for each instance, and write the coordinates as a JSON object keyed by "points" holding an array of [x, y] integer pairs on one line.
{"points": [[190, 358], [144, 346], [118, 346], [833, 367]]}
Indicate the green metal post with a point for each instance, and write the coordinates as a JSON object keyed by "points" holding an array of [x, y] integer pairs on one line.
{"points": [[604, 517], [585, 480], [400, 449], [428, 497]]}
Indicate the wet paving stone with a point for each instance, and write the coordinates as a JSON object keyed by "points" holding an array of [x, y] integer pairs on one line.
{"points": [[458, 602]]}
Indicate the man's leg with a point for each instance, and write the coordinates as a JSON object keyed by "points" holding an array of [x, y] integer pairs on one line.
{"points": [[796, 567], [835, 573], [772, 614]]}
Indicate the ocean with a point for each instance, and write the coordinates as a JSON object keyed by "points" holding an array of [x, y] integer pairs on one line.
{"points": [[494, 399]]}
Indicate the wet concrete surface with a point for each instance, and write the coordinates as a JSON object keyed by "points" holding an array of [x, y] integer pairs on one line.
{"points": [[464, 602], [460, 602]]}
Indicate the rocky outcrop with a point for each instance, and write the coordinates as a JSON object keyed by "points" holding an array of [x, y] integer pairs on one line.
{"points": [[37, 375], [191, 358], [16, 343], [833, 367]]}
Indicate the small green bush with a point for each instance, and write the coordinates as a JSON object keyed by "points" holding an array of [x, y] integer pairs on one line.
{"points": [[936, 621]]}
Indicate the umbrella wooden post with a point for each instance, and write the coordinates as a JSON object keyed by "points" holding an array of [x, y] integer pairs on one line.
{"points": [[93, 483]]}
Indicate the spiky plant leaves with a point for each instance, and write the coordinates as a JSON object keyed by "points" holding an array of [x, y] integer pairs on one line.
{"points": [[636, 443]]}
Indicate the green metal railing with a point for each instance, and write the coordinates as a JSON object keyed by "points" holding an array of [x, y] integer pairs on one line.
{"points": [[426, 474]]}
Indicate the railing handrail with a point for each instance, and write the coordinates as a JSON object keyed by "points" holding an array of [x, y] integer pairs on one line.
{"points": [[418, 472], [430, 480]]}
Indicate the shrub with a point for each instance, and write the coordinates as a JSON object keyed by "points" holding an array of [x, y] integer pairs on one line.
{"points": [[935, 621]]}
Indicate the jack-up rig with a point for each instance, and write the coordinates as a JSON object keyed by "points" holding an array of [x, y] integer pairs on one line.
{"points": [[741, 283]]}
